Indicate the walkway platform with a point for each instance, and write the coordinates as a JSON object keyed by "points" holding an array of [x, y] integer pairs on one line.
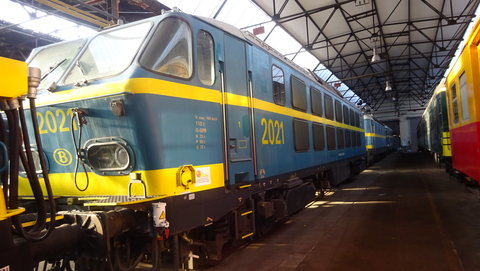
{"points": [[403, 213]]}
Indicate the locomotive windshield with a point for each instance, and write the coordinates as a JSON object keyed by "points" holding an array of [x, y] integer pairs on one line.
{"points": [[54, 60], [108, 53]]}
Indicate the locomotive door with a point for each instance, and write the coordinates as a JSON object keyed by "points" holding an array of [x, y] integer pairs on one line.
{"points": [[238, 123]]}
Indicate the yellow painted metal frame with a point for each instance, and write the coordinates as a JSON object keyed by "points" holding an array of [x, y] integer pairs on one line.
{"points": [[76, 12], [14, 78], [7, 213]]}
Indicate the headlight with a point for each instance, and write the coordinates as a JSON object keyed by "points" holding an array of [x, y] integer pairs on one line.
{"points": [[109, 155]]}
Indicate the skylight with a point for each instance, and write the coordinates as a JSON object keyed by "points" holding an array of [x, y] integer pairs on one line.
{"points": [[39, 21]]}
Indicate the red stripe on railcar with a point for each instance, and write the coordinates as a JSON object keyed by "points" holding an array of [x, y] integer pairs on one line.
{"points": [[466, 149]]}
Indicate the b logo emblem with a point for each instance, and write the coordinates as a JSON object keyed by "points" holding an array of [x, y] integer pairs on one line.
{"points": [[62, 156]]}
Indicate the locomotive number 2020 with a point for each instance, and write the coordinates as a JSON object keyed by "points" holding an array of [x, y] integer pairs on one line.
{"points": [[273, 132], [55, 121]]}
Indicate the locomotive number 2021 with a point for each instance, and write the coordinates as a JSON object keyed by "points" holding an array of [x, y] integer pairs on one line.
{"points": [[273, 132], [55, 121]]}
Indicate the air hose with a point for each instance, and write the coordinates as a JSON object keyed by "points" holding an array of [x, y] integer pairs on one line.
{"points": [[78, 114]]}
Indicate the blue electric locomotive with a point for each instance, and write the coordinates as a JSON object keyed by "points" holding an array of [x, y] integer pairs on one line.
{"points": [[191, 123], [379, 138]]}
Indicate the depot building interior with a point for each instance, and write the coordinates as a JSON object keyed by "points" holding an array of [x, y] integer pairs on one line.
{"points": [[239, 135]]}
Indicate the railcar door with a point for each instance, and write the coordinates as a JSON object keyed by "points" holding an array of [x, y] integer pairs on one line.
{"points": [[238, 122]]}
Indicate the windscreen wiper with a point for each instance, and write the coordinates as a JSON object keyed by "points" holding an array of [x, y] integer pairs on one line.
{"points": [[54, 67]]}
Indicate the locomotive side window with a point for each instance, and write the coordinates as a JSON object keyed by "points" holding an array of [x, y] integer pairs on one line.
{"points": [[109, 53], [352, 117], [328, 107], [299, 94], [206, 66], [348, 141], [331, 140], [338, 111], [340, 138], [455, 103], [346, 115], [300, 133], [464, 96], [278, 83], [170, 49], [316, 99], [318, 137]]}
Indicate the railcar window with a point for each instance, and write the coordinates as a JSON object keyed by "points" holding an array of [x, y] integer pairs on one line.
{"points": [[338, 111], [300, 133], [170, 49], [316, 99], [206, 62], [455, 103], [346, 115], [464, 96], [331, 140], [318, 137], [278, 82], [340, 138], [299, 94], [348, 141], [328, 107], [109, 53]]}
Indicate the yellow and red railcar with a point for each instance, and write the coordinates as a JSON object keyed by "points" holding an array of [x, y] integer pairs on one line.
{"points": [[463, 103]]}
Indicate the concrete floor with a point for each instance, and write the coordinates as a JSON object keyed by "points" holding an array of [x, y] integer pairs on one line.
{"points": [[403, 213]]}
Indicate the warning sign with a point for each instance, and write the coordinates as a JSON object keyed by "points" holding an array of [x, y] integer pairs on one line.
{"points": [[202, 175]]}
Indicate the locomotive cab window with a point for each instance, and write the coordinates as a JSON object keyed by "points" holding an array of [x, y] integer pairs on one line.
{"points": [[338, 111], [316, 99], [300, 133], [206, 66], [328, 107], [299, 94], [464, 96], [170, 49], [278, 84]]}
